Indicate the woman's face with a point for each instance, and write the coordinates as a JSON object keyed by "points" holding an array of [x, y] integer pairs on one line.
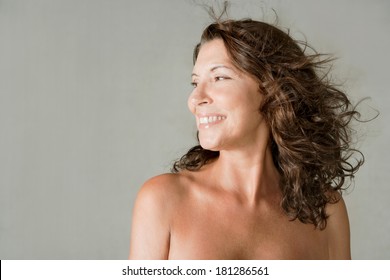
{"points": [[225, 101]]}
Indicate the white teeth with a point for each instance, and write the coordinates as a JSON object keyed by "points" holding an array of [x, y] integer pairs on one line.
{"points": [[211, 119]]}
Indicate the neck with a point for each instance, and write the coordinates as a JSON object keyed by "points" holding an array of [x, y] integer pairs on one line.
{"points": [[250, 176]]}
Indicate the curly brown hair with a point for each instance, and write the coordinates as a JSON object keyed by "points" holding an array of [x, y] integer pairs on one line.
{"points": [[308, 116]]}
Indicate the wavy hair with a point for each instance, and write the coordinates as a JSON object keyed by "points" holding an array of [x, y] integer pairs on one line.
{"points": [[308, 116]]}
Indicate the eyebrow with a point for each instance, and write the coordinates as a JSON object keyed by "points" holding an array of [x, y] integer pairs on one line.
{"points": [[215, 68]]}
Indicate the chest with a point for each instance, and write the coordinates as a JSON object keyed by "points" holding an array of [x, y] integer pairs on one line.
{"points": [[231, 232]]}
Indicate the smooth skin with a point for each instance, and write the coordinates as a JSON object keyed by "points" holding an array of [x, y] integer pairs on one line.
{"points": [[230, 208]]}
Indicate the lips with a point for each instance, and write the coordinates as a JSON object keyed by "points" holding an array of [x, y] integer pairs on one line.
{"points": [[211, 119], [207, 120]]}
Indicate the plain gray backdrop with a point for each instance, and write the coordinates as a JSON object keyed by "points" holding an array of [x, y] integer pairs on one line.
{"points": [[93, 102]]}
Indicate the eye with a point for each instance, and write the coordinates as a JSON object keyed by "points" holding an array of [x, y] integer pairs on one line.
{"points": [[221, 78], [194, 84]]}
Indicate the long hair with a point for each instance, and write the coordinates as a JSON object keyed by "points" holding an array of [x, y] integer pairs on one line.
{"points": [[309, 117]]}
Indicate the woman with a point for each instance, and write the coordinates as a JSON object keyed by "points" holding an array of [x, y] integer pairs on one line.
{"points": [[265, 181]]}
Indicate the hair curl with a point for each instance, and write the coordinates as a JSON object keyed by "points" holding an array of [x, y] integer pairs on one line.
{"points": [[308, 116]]}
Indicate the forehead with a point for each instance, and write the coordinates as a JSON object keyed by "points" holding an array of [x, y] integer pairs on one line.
{"points": [[212, 52]]}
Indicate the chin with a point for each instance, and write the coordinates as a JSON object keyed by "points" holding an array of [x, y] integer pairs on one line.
{"points": [[212, 141], [208, 145], [213, 149]]}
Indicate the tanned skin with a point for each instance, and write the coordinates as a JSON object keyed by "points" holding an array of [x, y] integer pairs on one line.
{"points": [[230, 208]]}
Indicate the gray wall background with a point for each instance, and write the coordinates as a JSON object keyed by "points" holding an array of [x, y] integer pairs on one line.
{"points": [[93, 102]]}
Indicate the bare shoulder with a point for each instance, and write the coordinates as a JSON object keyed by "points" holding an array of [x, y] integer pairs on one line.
{"points": [[159, 196], [338, 230], [153, 211], [161, 187]]}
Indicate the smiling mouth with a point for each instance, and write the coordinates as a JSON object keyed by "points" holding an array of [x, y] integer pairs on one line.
{"points": [[211, 119]]}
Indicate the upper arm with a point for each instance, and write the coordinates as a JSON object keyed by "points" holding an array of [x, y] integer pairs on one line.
{"points": [[150, 230], [339, 231]]}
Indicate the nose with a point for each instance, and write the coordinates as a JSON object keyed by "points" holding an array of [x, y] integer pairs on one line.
{"points": [[199, 96]]}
